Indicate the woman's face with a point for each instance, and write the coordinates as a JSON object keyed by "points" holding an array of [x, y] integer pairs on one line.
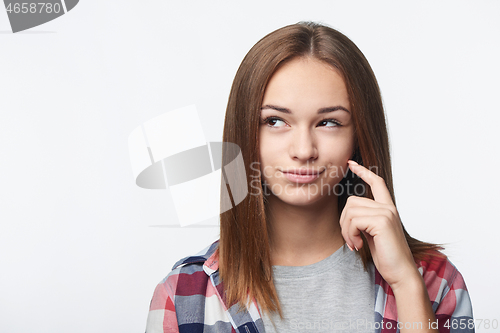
{"points": [[305, 128]]}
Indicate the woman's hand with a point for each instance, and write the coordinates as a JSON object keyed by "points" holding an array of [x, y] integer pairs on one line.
{"points": [[379, 221]]}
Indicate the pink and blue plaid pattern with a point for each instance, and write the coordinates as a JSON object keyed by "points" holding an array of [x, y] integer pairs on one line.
{"points": [[191, 300]]}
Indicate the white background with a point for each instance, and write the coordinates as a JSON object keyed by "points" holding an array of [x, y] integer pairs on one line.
{"points": [[78, 248]]}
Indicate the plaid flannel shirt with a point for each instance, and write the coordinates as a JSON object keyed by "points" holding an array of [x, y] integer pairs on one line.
{"points": [[191, 299]]}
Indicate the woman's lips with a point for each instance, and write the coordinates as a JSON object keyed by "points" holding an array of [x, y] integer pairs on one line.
{"points": [[304, 179]]}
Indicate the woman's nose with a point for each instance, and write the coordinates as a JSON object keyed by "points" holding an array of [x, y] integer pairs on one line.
{"points": [[303, 146]]}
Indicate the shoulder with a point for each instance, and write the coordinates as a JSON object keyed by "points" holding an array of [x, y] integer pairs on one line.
{"points": [[437, 270], [199, 258], [187, 278], [440, 274], [189, 275], [446, 286]]}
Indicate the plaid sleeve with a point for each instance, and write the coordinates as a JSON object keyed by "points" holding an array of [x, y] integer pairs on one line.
{"points": [[449, 296], [162, 317]]}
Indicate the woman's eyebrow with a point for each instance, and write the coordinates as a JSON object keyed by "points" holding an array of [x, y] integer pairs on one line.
{"points": [[320, 111]]}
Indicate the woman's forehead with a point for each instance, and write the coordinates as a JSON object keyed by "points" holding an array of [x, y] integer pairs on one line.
{"points": [[306, 82]]}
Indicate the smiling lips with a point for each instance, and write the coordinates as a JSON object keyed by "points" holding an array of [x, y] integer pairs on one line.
{"points": [[302, 175]]}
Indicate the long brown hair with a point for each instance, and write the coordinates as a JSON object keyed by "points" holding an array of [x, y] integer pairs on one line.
{"points": [[244, 254]]}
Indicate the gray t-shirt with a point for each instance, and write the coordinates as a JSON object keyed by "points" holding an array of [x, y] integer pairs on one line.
{"points": [[335, 294]]}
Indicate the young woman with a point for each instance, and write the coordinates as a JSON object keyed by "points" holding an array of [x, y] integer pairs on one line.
{"points": [[318, 244]]}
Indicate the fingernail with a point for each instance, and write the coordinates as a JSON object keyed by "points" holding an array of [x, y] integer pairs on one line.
{"points": [[356, 248], [350, 248], [353, 162]]}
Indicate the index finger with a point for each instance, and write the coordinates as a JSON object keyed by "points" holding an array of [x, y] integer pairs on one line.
{"points": [[377, 184]]}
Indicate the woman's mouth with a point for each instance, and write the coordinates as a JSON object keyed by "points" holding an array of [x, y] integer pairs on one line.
{"points": [[302, 176]]}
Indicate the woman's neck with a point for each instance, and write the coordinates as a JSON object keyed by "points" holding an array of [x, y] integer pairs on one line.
{"points": [[303, 235]]}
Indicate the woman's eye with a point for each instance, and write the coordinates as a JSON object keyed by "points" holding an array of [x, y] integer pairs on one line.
{"points": [[274, 122], [333, 122]]}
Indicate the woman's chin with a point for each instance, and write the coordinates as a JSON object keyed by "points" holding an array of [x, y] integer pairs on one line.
{"points": [[302, 200]]}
